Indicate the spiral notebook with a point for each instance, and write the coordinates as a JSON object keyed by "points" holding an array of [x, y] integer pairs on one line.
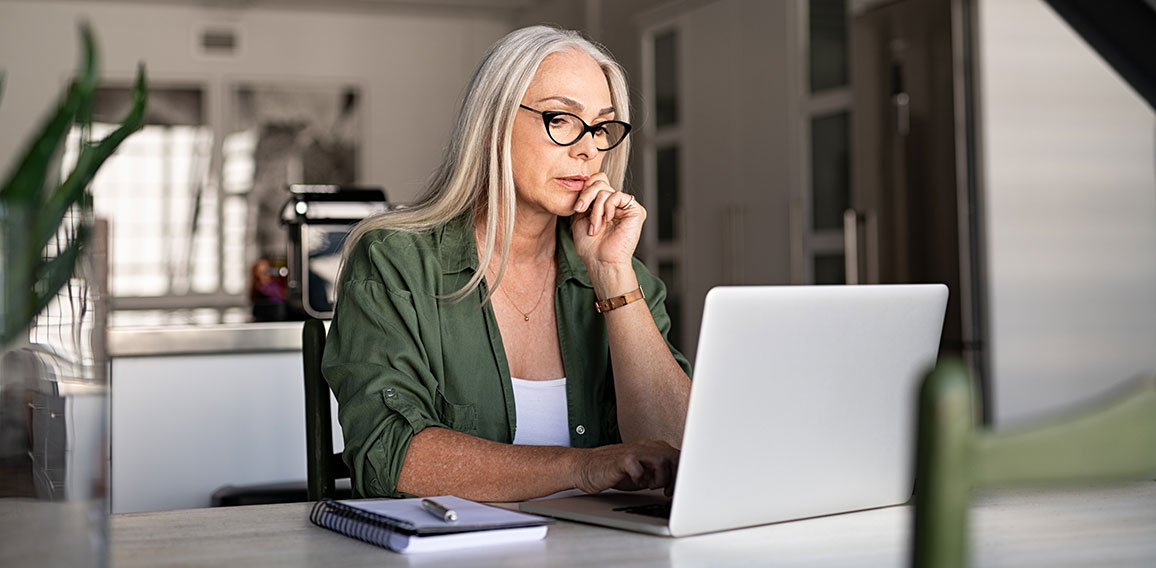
{"points": [[403, 526]]}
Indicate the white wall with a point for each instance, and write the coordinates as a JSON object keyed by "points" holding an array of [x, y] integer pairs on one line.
{"points": [[569, 14], [412, 65], [1070, 154]]}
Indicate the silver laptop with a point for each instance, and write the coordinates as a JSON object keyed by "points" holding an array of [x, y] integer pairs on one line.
{"points": [[803, 404]]}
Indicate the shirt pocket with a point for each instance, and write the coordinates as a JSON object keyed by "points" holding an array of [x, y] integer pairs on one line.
{"points": [[460, 417]]}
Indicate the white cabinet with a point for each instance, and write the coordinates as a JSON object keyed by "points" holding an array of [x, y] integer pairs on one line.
{"points": [[183, 425]]}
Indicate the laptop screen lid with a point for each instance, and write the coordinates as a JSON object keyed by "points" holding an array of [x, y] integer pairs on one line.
{"points": [[803, 402]]}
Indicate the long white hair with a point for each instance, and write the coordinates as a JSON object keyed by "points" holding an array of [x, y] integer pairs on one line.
{"points": [[476, 174]]}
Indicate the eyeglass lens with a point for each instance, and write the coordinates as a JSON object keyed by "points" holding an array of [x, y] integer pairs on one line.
{"points": [[566, 129]]}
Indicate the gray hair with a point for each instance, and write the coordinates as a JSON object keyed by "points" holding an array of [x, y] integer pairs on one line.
{"points": [[476, 173]]}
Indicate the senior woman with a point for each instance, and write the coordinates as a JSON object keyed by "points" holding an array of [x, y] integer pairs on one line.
{"points": [[498, 341]]}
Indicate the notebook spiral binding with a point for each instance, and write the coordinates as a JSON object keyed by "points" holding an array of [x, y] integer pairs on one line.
{"points": [[362, 525]]}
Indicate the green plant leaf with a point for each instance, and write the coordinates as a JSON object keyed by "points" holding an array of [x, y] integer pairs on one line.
{"points": [[55, 273], [27, 181], [17, 267], [33, 206], [50, 277], [89, 55], [93, 155], [83, 118]]}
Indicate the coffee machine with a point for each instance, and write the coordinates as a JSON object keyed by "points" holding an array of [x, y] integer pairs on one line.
{"points": [[318, 218]]}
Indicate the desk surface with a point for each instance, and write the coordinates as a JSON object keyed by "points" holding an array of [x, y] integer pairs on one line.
{"points": [[1083, 527]]}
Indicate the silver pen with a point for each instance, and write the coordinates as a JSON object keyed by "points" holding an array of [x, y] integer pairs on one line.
{"points": [[438, 510]]}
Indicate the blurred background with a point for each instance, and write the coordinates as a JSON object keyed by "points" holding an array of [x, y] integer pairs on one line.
{"points": [[980, 143]]}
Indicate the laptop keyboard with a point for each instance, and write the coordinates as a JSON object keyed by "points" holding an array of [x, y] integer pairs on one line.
{"points": [[660, 510]]}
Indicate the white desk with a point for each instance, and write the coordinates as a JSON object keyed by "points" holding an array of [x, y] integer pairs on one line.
{"points": [[1086, 527]]}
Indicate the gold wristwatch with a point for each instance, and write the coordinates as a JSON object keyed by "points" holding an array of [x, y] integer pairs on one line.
{"points": [[603, 306]]}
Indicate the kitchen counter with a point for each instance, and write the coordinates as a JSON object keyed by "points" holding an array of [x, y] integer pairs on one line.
{"points": [[204, 339]]}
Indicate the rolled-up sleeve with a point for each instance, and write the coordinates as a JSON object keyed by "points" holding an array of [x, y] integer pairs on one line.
{"points": [[376, 363]]}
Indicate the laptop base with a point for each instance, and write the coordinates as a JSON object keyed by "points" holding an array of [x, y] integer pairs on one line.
{"points": [[598, 509]]}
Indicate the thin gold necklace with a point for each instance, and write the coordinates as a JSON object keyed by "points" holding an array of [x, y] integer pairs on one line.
{"points": [[541, 292]]}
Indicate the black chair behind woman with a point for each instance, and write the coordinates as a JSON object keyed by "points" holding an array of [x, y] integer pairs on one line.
{"points": [[324, 467]]}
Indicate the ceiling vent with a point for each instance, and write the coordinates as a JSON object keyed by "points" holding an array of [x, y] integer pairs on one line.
{"points": [[218, 41]]}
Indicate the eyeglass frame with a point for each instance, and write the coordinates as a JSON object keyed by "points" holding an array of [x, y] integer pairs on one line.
{"points": [[548, 115]]}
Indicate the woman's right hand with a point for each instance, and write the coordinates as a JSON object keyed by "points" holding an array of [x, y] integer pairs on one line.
{"points": [[647, 464]]}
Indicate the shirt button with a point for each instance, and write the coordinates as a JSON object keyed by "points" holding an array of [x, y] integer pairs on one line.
{"points": [[389, 393], [580, 429]]}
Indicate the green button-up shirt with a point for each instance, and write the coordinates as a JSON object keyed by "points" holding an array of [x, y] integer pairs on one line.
{"points": [[401, 356]]}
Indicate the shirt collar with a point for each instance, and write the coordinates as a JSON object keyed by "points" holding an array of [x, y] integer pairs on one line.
{"points": [[570, 265], [458, 251]]}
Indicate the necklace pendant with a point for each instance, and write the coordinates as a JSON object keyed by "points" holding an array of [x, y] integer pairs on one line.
{"points": [[527, 316]]}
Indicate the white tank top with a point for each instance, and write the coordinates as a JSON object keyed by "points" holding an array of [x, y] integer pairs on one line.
{"points": [[542, 418]]}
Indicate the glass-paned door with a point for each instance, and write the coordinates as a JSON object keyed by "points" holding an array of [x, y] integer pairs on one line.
{"points": [[827, 148], [662, 147]]}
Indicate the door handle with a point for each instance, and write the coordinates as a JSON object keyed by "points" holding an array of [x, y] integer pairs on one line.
{"points": [[868, 271], [902, 104], [851, 245]]}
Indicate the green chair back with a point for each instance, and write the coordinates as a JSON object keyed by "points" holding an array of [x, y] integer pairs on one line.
{"points": [[323, 467], [1113, 440]]}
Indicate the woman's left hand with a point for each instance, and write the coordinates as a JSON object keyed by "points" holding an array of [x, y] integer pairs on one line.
{"points": [[606, 223]]}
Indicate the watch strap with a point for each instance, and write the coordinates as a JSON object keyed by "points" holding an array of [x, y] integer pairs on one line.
{"points": [[603, 306]]}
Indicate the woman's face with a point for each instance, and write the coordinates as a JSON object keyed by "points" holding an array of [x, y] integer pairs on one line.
{"points": [[547, 176]]}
